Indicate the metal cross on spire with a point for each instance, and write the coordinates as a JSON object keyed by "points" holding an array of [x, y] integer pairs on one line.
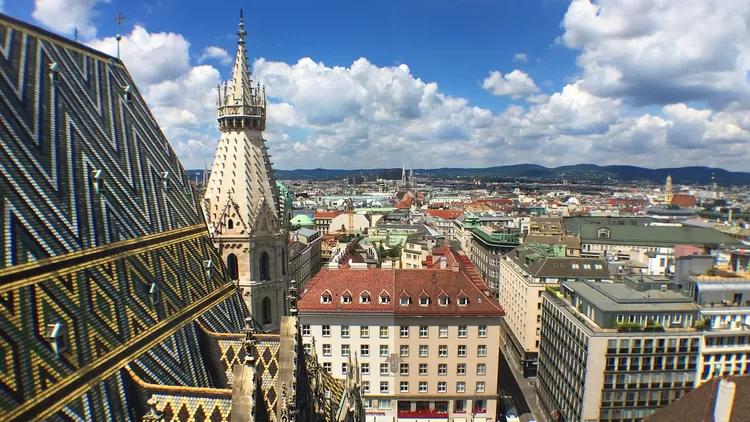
{"points": [[118, 37]]}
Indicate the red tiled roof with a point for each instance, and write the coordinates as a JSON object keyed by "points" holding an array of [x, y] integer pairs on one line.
{"points": [[325, 214], [494, 201], [406, 203], [684, 200], [410, 282], [445, 214], [356, 281]]}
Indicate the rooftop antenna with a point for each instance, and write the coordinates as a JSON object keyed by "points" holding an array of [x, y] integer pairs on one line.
{"points": [[118, 37], [75, 34]]}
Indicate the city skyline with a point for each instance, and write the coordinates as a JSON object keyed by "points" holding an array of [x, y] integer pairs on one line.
{"points": [[548, 82]]}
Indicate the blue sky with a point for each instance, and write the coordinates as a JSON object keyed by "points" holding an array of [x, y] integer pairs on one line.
{"points": [[610, 82]]}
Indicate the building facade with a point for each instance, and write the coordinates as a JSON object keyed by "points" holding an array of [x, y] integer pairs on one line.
{"points": [[524, 274], [604, 357], [241, 203], [305, 257], [426, 341], [488, 245]]}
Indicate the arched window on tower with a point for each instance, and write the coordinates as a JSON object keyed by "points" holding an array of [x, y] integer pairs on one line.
{"points": [[230, 224], [264, 267], [266, 310], [232, 266]]}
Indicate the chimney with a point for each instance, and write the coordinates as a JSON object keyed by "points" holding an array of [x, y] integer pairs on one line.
{"points": [[724, 400], [455, 267]]}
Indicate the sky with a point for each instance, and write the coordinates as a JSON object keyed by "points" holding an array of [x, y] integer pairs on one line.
{"points": [[438, 83]]}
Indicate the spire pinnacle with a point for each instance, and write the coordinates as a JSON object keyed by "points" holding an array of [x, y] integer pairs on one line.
{"points": [[241, 33]]}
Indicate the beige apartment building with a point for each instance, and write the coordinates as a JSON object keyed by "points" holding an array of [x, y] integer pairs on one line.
{"points": [[524, 273], [426, 341]]}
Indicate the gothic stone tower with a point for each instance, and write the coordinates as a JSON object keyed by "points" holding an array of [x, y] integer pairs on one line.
{"points": [[242, 198]]}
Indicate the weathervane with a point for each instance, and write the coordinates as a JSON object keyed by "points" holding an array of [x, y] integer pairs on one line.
{"points": [[118, 37]]}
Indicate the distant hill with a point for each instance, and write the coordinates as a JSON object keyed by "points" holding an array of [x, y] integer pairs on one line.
{"points": [[590, 172]]}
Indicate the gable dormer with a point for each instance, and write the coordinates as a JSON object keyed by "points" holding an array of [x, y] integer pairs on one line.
{"points": [[602, 233], [463, 298], [404, 299], [365, 297], [385, 297], [326, 297], [346, 297], [424, 298], [443, 299]]}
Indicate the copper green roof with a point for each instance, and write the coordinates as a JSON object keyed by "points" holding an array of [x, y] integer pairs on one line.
{"points": [[303, 220]]}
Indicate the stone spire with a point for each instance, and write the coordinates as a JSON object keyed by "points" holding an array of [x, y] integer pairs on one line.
{"points": [[668, 194], [403, 175], [241, 202]]}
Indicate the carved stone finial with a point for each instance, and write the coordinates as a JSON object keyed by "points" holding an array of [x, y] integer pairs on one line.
{"points": [[293, 298], [249, 342]]}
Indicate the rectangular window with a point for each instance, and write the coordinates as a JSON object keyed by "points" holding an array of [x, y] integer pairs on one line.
{"points": [[308, 348], [383, 387], [326, 350], [404, 387], [422, 369], [404, 331], [481, 369], [480, 387], [482, 331], [383, 331], [366, 387], [326, 331], [364, 350], [443, 350], [344, 350], [443, 369], [462, 331], [460, 388], [403, 369], [423, 351], [462, 351], [383, 369], [383, 350], [461, 369], [404, 351], [424, 331], [365, 368], [384, 404], [305, 330], [481, 350], [443, 331], [404, 301], [364, 331], [327, 367], [422, 386], [442, 387], [343, 368]]}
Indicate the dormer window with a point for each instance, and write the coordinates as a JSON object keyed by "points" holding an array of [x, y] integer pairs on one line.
{"points": [[364, 297], [326, 297], [346, 297], [463, 301], [384, 298], [443, 300], [57, 336], [404, 301], [424, 300], [602, 233]]}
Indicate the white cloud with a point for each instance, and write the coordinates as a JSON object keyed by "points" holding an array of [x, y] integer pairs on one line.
{"points": [[520, 57], [515, 84], [537, 98], [1, 5], [66, 15], [215, 53], [663, 52]]}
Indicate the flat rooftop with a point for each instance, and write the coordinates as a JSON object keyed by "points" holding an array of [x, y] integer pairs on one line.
{"points": [[619, 297]]}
